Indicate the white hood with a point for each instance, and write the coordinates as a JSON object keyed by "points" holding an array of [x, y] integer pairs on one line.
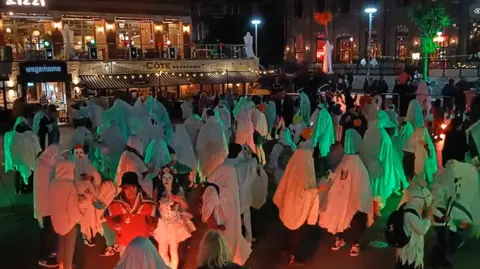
{"points": [[141, 254], [183, 147], [44, 173], [211, 146]]}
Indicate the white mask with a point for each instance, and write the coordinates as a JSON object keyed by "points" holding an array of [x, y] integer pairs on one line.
{"points": [[79, 153]]}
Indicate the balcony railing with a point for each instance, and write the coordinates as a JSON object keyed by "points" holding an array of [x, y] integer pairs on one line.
{"points": [[113, 52]]}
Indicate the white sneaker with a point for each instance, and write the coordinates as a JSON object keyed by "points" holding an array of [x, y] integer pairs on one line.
{"points": [[355, 250], [339, 243]]}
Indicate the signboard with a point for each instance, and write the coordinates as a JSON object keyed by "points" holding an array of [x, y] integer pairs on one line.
{"points": [[43, 71], [25, 3], [174, 66], [474, 11]]}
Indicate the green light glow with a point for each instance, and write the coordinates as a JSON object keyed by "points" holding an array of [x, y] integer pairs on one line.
{"points": [[430, 19]]}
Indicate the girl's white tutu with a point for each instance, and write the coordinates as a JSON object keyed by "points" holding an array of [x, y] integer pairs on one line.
{"points": [[174, 225]]}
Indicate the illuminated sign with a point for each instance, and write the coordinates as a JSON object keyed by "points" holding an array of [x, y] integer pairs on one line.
{"points": [[27, 3], [43, 69]]}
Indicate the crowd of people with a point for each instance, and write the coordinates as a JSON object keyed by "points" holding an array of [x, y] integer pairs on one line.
{"points": [[136, 178]]}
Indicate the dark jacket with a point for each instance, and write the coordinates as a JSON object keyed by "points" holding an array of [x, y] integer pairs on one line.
{"points": [[455, 146]]}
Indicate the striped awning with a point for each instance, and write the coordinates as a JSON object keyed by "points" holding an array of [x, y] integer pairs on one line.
{"points": [[225, 77], [131, 81]]}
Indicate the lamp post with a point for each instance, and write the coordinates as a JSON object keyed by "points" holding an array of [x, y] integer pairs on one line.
{"points": [[369, 11], [256, 22]]}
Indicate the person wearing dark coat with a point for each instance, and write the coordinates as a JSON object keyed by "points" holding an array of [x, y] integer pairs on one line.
{"points": [[455, 146]]}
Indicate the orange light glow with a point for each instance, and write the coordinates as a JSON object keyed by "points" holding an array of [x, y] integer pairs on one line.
{"points": [[443, 126], [442, 136]]}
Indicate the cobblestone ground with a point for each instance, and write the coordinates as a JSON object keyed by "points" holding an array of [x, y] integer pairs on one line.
{"points": [[19, 239]]}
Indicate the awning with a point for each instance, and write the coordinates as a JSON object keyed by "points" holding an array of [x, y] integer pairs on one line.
{"points": [[131, 81], [225, 77]]}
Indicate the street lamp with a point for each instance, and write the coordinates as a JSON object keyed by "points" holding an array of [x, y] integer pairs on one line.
{"points": [[369, 11], [256, 22]]}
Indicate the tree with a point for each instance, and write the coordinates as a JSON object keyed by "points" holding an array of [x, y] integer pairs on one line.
{"points": [[430, 19], [324, 18]]}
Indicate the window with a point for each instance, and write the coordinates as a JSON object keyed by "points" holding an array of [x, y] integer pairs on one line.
{"points": [[473, 43], [344, 49], [401, 37], [298, 9], [376, 48], [83, 32], [128, 33], [299, 48]]}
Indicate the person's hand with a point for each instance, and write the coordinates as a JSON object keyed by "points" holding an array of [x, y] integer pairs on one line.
{"points": [[221, 227], [446, 218], [429, 213]]}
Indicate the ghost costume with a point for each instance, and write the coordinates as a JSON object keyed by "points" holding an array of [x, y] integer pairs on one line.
{"points": [[119, 112], [224, 114], [246, 174], [211, 146], [193, 124], [271, 115], [65, 204], [323, 134], [411, 255], [245, 128], [88, 189], [43, 175], [260, 133], [185, 155], [141, 254], [284, 142], [224, 206], [349, 197], [132, 161], [112, 145], [305, 108], [456, 195], [297, 196], [21, 147], [415, 117], [187, 109], [377, 155], [82, 136]]}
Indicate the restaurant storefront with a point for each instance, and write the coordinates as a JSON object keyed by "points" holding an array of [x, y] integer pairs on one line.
{"points": [[71, 27], [45, 82]]}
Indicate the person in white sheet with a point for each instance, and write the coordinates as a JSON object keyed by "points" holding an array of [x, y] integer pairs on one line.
{"points": [[42, 125], [260, 131], [87, 181], [187, 163], [64, 204], [224, 114], [456, 197], [323, 132], [285, 142], [246, 169], [377, 155], [349, 208], [43, 175], [211, 145], [297, 197], [174, 225], [187, 108], [141, 254], [411, 256], [245, 128], [21, 147], [271, 115], [416, 119], [222, 206], [111, 146], [132, 161], [82, 136]]}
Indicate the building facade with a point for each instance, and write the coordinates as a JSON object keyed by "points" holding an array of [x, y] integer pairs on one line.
{"points": [[166, 59], [393, 34]]}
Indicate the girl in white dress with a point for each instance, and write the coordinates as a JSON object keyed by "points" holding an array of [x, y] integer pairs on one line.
{"points": [[175, 224]]}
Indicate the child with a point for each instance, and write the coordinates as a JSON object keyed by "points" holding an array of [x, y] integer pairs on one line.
{"points": [[174, 226]]}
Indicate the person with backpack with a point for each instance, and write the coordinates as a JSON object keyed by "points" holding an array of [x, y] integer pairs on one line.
{"points": [[407, 226]]}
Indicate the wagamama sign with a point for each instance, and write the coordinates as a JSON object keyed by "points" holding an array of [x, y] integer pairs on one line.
{"points": [[27, 3]]}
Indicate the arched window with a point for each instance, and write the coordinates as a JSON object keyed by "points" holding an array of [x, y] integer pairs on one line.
{"points": [[344, 47]]}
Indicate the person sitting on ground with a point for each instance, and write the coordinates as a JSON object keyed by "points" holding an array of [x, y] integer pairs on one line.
{"points": [[214, 253]]}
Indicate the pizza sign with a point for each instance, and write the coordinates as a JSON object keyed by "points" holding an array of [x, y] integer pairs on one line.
{"points": [[27, 3]]}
